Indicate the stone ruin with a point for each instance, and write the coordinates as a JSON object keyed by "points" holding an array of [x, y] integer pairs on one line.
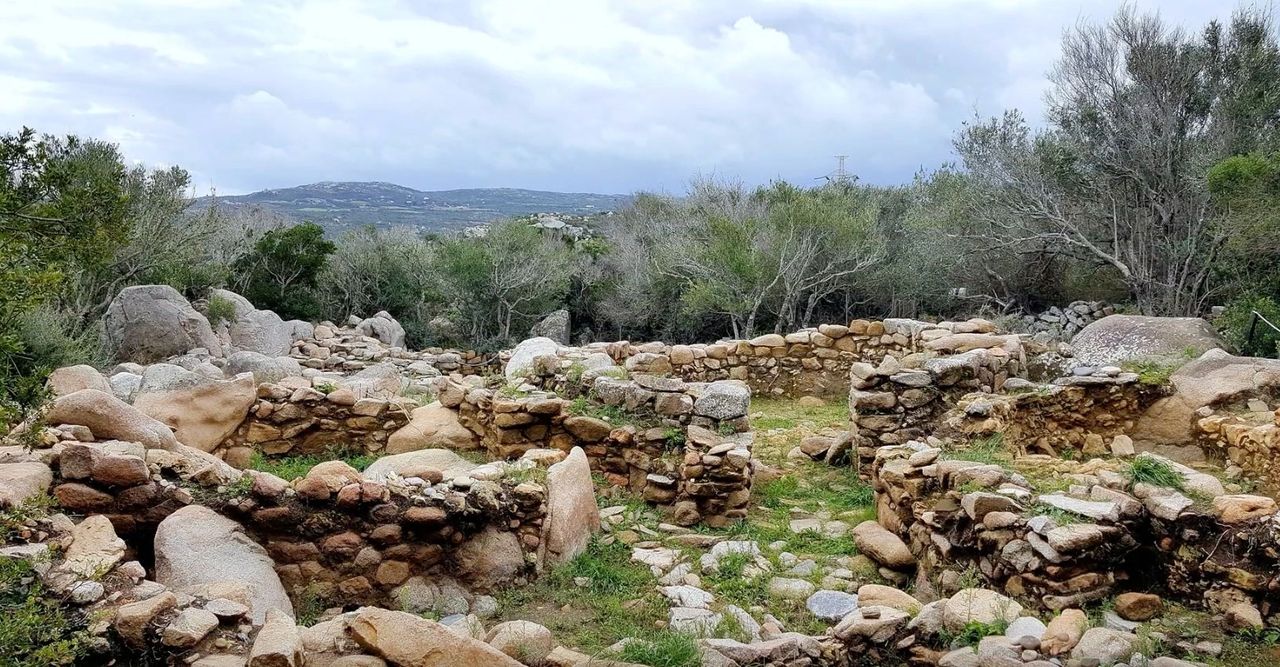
{"points": [[484, 480]]}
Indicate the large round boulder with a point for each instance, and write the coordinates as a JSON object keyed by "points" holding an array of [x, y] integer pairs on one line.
{"points": [[723, 399], [1115, 339], [1216, 378], [147, 323], [202, 411], [554, 326], [263, 368], [384, 327], [255, 330], [432, 426], [70, 379], [523, 356], [110, 418], [377, 381], [198, 551]]}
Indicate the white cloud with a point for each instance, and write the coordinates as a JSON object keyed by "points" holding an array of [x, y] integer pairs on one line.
{"points": [[562, 94]]}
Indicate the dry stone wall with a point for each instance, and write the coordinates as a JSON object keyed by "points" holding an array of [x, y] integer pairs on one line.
{"points": [[293, 418], [896, 402], [1252, 447], [1102, 534], [812, 361], [1077, 415], [687, 449]]}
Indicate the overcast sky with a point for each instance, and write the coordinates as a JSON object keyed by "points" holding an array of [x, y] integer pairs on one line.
{"points": [[571, 95]]}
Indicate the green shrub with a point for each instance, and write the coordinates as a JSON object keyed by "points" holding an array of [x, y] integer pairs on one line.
{"points": [[1233, 324], [37, 629], [221, 310]]}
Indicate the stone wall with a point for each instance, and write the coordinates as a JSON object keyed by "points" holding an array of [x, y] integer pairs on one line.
{"points": [[1081, 415], [812, 361], [685, 447], [896, 402], [1099, 535], [336, 536], [292, 418], [1252, 447], [346, 540]]}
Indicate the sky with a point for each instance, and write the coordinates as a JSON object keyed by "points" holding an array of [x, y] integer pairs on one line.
{"points": [[569, 95]]}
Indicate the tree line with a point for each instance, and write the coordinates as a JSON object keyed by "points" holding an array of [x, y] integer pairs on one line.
{"points": [[1154, 182]]}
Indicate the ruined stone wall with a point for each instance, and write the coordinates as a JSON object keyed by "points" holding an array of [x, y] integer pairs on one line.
{"points": [[687, 447], [291, 419], [894, 402], [343, 349], [1065, 548], [1083, 415], [813, 361], [339, 537], [1253, 447], [335, 536]]}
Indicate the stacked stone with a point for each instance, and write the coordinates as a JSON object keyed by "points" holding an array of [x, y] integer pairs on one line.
{"points": [[1063, 323], [1120, 535], [338, 536], [292, 418], [680, 460], [347, 349], [1245, 444], [813, 361], [899, 401], [1088, 414]]}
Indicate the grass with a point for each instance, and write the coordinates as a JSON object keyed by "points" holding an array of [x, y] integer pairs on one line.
{"points": [[1153, 372], [664, 649], [616, 601], [982, 450], [38, 630], [779, 413], [326, 388], [973, 632], [290, 468], [1060, 516], [1148, 470]]}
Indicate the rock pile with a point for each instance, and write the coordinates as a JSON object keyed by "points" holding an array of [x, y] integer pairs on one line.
{"points": [[1063, 323]]}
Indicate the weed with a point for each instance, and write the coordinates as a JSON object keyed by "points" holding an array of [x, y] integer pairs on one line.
{"points": [[973, 632], [325, 388], [674, 436], [1150, 470], [309, 606], [14, 519], [1060, 516]]}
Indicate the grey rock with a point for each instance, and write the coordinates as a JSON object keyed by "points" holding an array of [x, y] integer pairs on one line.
{"points": [[831, 605], [147, 323]]}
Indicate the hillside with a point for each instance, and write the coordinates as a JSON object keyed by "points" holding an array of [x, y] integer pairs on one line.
{"points": [[342, 206]]}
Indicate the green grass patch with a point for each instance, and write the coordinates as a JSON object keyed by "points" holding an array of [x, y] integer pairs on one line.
{"points": [[786, 413], [290, 468], [1148, 470], [1153, 372], [664, 649], [982, 450], [617, 600], [973, 632], [1060, 516], [37, 629]]}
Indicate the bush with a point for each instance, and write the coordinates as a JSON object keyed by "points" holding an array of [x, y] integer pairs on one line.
{"points": [[221, 310], [37, 630], [1234, 325], [1148, 470]]}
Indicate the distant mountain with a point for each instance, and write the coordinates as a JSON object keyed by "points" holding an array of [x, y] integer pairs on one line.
{"points": [[339, 207]]}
